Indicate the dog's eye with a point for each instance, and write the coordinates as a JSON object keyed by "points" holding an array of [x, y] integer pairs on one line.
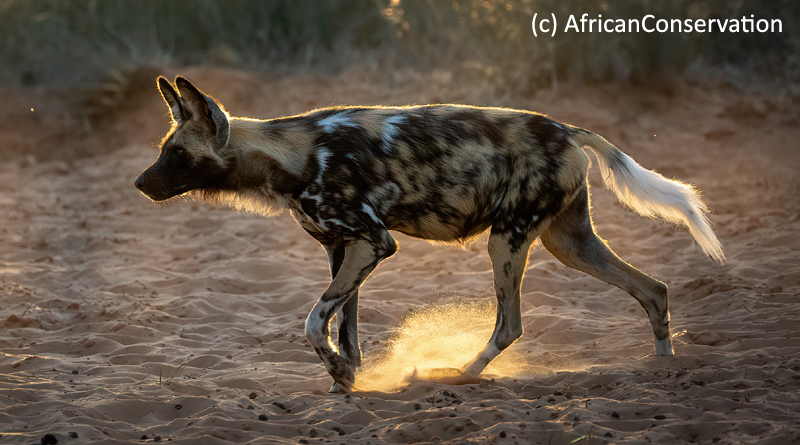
{"points": [[179, 151]]}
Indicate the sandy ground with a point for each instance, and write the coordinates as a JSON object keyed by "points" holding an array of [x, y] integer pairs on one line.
{"points": [[125, 321]]}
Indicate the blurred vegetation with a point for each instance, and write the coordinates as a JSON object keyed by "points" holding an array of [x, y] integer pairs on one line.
{"points": [[78, 42]]}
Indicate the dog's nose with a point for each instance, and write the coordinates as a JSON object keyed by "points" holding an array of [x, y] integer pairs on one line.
{"points": [[139, 182]]}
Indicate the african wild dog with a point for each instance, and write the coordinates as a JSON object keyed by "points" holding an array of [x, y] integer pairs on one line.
{"points": [[445, 173]]}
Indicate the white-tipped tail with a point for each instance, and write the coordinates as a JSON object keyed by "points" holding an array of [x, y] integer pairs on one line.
{"points": [[650, 194]]}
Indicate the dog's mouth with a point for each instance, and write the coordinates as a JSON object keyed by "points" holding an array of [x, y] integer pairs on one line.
{"points": [[163, 195]]}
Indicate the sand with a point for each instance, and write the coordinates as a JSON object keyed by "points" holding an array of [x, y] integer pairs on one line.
{"points": [[129, 322]]}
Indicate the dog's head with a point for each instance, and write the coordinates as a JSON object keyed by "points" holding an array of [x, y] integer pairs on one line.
{"points": [[191, 153]]}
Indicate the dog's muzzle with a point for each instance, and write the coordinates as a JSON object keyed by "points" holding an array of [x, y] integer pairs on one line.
{"points": [[140, 182]]}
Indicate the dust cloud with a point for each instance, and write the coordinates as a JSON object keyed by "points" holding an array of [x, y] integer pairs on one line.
{"points": [[433, 339]]}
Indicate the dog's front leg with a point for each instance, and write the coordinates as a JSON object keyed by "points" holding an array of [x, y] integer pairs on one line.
{"points": [[348, 325], [360, 259]]}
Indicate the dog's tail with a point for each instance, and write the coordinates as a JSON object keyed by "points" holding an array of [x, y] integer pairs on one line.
{"points": [[652, 195]]}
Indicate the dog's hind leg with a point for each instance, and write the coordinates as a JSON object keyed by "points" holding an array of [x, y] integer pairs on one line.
{"points": [[348, 325], [508, 251], [360, 259], [571, 238]]}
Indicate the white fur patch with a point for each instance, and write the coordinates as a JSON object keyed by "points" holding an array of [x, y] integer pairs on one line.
{"points": [[390, 130], [330, 123], [369, 211], [315, 325], [306, 195], [321, 224], [322, 157]]}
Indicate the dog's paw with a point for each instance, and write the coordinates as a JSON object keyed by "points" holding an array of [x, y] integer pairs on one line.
{"points": [[342, 384], [336, 388]]}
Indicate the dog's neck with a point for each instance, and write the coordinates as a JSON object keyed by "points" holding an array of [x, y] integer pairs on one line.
{"points": [[265, 162], [285, 143]]}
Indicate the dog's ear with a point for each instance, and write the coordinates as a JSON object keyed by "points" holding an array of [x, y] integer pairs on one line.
{"points": [[203, 108], [172, 98], [194, 101]]}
